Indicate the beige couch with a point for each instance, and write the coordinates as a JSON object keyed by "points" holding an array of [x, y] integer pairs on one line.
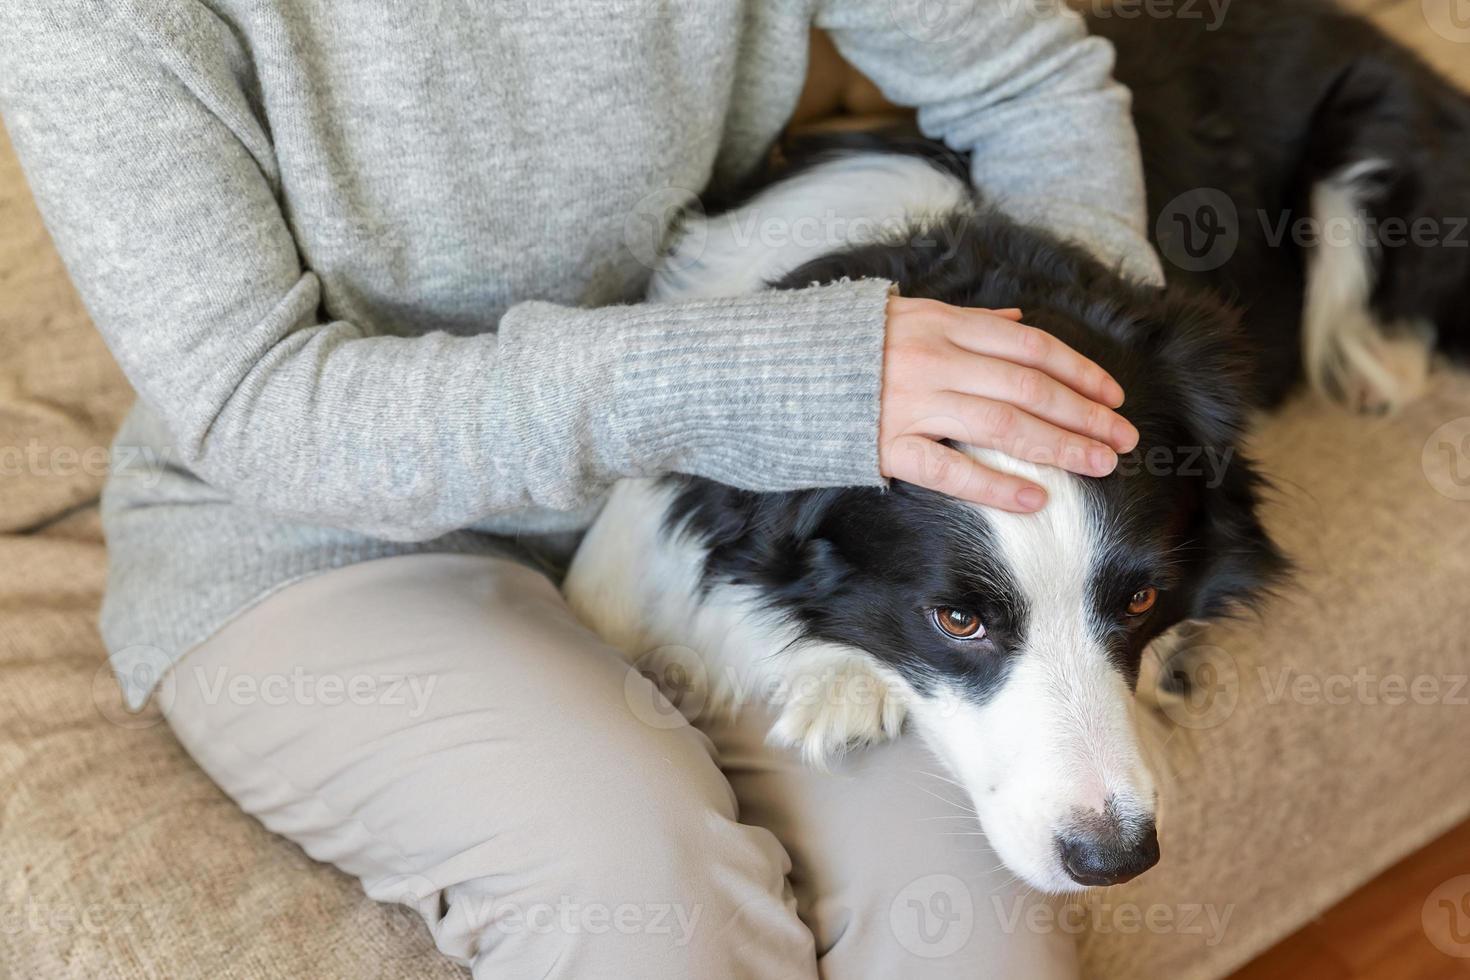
{"points": [[120, 859]]}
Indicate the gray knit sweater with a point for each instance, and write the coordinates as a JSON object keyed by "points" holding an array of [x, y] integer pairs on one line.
{"points": [[374, 268]]}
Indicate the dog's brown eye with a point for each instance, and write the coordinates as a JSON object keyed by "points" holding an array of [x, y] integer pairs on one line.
{"points": [[1143, 600], [958, 623]]}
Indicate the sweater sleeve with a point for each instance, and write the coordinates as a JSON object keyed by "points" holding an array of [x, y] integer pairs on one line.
{"points": [[162, 199], [1022, 88]]}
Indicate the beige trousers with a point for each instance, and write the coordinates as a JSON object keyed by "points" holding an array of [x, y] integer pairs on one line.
{"points": [[443, 729]]}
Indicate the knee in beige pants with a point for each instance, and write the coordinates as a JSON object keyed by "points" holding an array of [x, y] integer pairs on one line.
{"points": [[443, 729]]}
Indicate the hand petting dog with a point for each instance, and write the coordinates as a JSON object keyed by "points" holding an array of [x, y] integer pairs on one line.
{"points": [[983, 378]]}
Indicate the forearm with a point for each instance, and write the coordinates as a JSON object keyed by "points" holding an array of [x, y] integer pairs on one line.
{"points": [[411, 437]]}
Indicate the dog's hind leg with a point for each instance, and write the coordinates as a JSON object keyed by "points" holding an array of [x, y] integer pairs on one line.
{"points": [[1350, 354]]}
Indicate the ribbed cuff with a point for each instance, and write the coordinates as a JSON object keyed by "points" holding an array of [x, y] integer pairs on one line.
{"points": [[778, 391], [769, 392]]}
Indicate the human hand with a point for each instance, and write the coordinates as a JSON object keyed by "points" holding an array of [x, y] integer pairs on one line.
{"points": [[984, 378]]}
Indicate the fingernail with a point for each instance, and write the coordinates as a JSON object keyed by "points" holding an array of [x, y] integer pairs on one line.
{"points": [[1103, 460], [1031, 498], [1125, 438], [1113, 393]]}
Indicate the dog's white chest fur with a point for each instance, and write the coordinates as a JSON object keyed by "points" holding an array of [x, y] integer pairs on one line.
{"points": [[639, 587]]}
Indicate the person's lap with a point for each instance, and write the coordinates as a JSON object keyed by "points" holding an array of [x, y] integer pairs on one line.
{"points": [[442, 728]]}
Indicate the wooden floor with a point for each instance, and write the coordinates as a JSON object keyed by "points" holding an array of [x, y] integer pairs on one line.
{"points": [[1382, 931]]}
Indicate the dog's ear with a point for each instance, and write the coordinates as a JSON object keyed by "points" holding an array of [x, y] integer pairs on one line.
{"points": [[1227, 552], [774, 540], [1227, 557]]}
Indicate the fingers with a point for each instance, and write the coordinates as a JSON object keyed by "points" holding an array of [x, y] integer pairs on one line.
{"points": [[984, 378], [926, 463], [1013, 341], [1038, 393], [1020, 435]]}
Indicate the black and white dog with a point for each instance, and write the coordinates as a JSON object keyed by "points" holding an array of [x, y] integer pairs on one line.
{"points": [[1011, 644]]}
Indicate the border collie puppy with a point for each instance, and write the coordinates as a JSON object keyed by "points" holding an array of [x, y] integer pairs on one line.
{"points": [[1011, 643]]}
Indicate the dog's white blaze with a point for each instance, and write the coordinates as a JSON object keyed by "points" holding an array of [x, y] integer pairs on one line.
{"points": [[1348, 354], [852, 200], [1060, 737]]}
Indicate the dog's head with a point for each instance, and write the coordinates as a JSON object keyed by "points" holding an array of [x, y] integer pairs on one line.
{"points": [[1019, 637], [1038, 623]]}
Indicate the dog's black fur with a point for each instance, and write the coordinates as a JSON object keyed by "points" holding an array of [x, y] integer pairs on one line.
{"points": [[1280, 96]]}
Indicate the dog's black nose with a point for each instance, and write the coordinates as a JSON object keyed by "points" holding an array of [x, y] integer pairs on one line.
{"points": [[1107, 855]]}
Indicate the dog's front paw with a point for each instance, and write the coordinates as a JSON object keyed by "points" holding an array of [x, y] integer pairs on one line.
{"points": [[826, 707]]}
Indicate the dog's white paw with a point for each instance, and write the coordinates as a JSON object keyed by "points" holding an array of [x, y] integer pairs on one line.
{"points": [[1382, 374], [826, 708]]}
